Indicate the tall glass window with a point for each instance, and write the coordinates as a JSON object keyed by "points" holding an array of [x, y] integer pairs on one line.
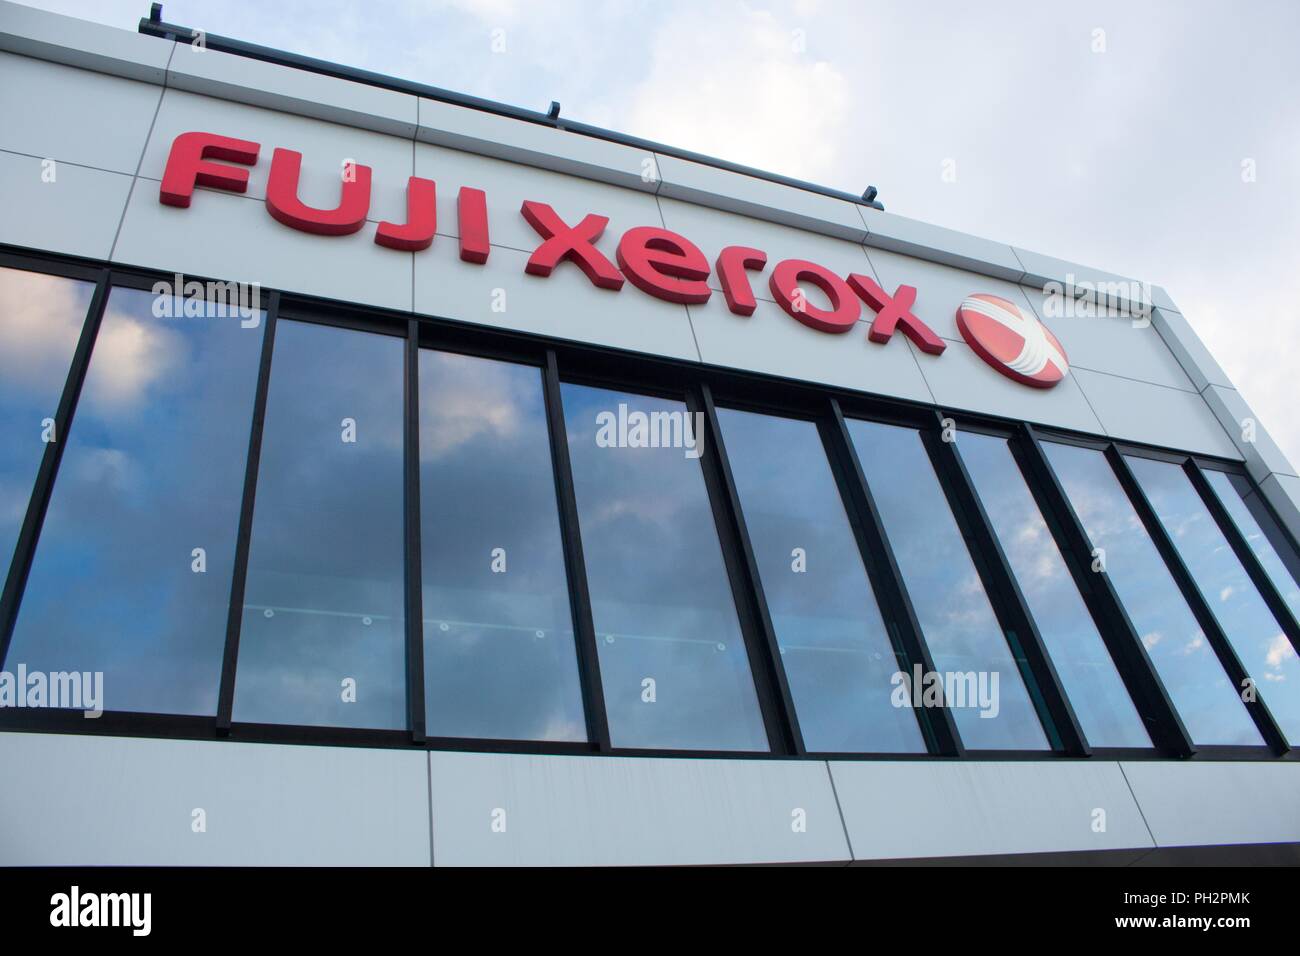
{"points": [[1192, 675], [1233, 492], [132, 572], [1101, 702], [322, 639], [993, 709], [837, 654], [672, 657], [40, 321], [1245, 619], [499, 657]]}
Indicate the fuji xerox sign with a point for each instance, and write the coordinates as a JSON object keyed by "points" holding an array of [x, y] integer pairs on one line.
{"points": [[657, 261]]}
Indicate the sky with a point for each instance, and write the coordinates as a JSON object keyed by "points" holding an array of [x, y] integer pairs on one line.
{"points": [[1150, 138]]}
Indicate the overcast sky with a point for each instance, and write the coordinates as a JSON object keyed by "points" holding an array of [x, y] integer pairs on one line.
{"points": [[1159, 140]]}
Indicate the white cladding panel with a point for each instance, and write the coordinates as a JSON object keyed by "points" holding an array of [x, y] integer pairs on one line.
{"points": [[111, 801]]}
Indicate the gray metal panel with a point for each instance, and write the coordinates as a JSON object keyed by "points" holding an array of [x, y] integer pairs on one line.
{"points": [[911, 809], [99, 801], [630, 811], [1262, 454], [78, 213], [258, 83], [1123, 345], [937, 244], [233, 238], [564, 304], [74, 116], [1199, 803], [324, 146], [80, 43], [1154, 414], [738, 193]]}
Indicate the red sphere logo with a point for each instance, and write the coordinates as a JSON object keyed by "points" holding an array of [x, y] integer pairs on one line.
{"points": [[1016, 344]]}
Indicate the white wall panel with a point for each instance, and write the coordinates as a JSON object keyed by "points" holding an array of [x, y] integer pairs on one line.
{"points": [[324, 147], [1154, 414], [771, 342], [962, 381], [1114, 344], [536, 144], [78, 213], [230, 237], [576, 811], [240, 78], [74, 116], [118, 801], [940, 245], [761, 198], [507, 185], [564, 304], [1197, 803], [905, 809], [713, 230]]}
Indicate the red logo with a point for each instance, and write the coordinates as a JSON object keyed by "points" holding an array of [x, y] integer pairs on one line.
{"points": [[1014, 343]]}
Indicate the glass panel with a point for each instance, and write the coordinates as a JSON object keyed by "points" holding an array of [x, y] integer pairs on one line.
{"points": [[1234, 500], [672, 658], [838, 658], [153, 472], [323, 635], [1088, 674], [40, 321], [1191, 673], [499, 654], [1249, 625], [959, 625]]}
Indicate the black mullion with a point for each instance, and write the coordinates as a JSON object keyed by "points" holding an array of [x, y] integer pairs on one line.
{"points": [[584, 628], [414, 580], [1117, 631], [1209, 624], [1003, 589], [775, 701], [886, 578], [235, 616], [1245, 554], [43, 487]]}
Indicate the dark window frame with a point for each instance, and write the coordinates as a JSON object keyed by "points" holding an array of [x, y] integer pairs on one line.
{"points": [[700, 386]]}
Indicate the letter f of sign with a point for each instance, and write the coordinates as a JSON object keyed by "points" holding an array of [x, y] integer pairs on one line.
{"points": [[188, 166]]}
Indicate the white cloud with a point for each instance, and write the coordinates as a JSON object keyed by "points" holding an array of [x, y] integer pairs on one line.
{"points": [[736, 85]]}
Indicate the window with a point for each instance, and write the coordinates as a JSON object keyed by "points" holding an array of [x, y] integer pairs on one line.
{"points": [[1234, 492], [1087, 673], [838, 658], [322, 638], [131, 575], [499, 658], [1195, 681], [965, 639], [673, 661], [1245, 619], [40, 321]]}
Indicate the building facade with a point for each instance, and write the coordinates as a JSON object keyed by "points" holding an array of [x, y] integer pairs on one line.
{"points": [[391, 477]]}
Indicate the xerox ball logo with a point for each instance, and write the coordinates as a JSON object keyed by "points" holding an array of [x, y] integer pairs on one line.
{"points": [[1014, 343]]}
